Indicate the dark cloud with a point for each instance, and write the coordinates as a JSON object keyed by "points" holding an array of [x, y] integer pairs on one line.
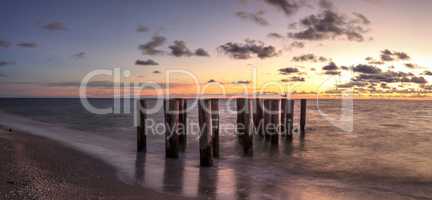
{"points": [[288, 70], [289, 7], [179, 49], [248, 50], [256, 17], [242, 82], [294, 79], [6, 63], [387, 55], [275, 36], [156, 72], [427, 73], [309, 58], [201, 52], [418, 80], [352, 84], [366, 69], [332, 72], [151, 47], [55, 26], [330, 25], [344, 67], [4, 44], [27, 45], [142, 29], [146, 62], [411, 65], [297, 44], [330, 67], [80, 55], [211, 81], [363, 19], [326, 4], [390, 77]]}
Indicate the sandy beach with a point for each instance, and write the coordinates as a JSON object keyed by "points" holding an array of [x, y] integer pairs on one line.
{"points": [[37, 168]]}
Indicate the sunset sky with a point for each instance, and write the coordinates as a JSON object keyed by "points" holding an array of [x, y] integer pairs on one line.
{"points": [[376, 47]]}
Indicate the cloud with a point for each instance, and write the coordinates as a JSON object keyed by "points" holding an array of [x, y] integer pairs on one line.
{"points": [[330, 25], [344, 68], [294, 79], [179, 49], [332, 72], [6, 63], [289, 7], [55, 26], [156, 72], [390, 77], [80, 55], [256, 17], [325, 4], [242, 82], [387, 55], [146, 62], [142, 29], [297, 44], [331, 66], [411, 65], [201, 52], [363, 19], [288, 70], [309, 58], [248, 50], [151, 47], [27, 45], [4, 44], [366, 69], [275, 36], [211, 81], [427, 73]]}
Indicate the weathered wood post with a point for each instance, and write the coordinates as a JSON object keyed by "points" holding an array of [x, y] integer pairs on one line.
{"points": [[171, 132], [303, 117], [205, 122], [287, 118], [182, 124], [259, 117], [267, 118], [275, 114], [244, 131], [215, 126], [141, 135]]}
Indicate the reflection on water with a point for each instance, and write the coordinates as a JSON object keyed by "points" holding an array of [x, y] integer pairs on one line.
{"points": [[388, 156]]}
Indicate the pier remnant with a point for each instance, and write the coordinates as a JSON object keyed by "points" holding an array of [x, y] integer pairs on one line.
{"points": [[182, 124], [205, 139], [171, 130], [141, 135], [287, 118], [245, 125], [303, 105], [274, 118], [215, 126]]}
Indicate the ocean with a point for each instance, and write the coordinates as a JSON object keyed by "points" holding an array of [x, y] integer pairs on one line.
{"points": [[381, 150]]}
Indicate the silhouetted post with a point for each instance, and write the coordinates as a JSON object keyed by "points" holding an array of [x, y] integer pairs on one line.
{"points": [[205, 122], [303, 117], [287, 118], [141, 135], [275, 108], [171, 132], [183, 124], [290, 119], [215, 126], [267, 117], [259, 117], [241, 102]]}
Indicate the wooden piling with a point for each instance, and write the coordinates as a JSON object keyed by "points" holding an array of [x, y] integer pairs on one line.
{"points": [[182, 124], [171, 107], [240, 116], [215, 126], [275, 128], [205, 122], [266, 118], [303, 106], [290, 118], [259, 117], [245, 129], [141, 135], [287, 108]]}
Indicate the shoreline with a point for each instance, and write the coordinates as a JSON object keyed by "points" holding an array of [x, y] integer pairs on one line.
{"points": [[34, 167]]}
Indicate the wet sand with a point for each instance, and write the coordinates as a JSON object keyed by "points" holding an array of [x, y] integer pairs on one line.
{"points": [[32, 167]]}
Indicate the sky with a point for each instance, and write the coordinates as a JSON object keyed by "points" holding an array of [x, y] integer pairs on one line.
{"points": [[370, 47]]}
